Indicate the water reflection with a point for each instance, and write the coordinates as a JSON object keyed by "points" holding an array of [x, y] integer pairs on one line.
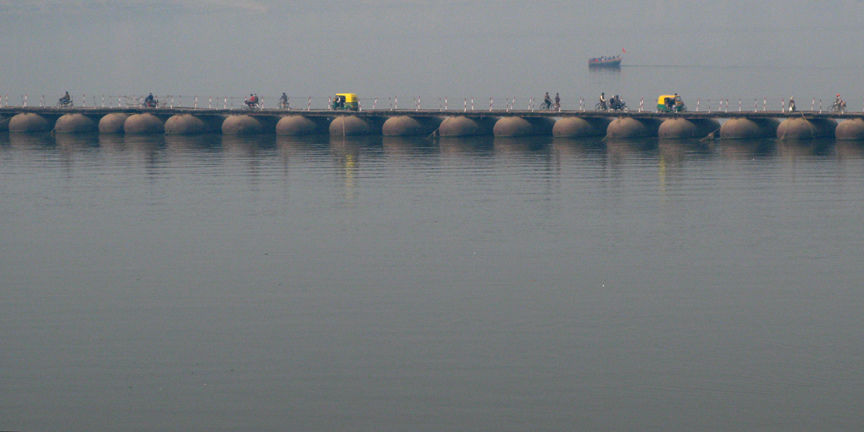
{"points": [[620, 150], [675, 152], [849, 149], [192, 143], [345, 153], [745, 149], [111, 143], [793, 149], [408, 146], [516, 145], [31, 140], [76, 142], [467, 146], [246, 145]]}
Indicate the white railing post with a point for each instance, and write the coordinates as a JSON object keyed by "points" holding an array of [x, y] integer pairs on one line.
{"points": [[42, 101], [445, 103], [739, 105], [820, 105], [765, 104], [490, 103], [755, 105], [195, 102], [641, 103], [225, 103], [697, 104], [309, 104], [466, 105], [581, 104], [395, 103], [25, 101], [472, 104], [329, 102], [813, 104]]}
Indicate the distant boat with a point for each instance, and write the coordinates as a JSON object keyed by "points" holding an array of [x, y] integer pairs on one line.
{"points": [[606, 62]]}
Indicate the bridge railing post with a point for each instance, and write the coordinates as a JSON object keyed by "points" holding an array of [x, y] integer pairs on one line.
{"points": [[697, 104], [531, 104], [709, 106], [445, 103], [820, 105], [329, 103], [472, 104], [581, 104], [765, 104], [465, 109], [374, 104], [813, 104], [642, 104], [309, 104], [490, 103], [727, 105], [755, 105], [42, 101], [225, 103], [24, 103], [739, 105]]}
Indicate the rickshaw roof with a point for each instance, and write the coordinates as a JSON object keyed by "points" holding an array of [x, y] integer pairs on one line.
{"points": [[662, 98], [349, 97]]}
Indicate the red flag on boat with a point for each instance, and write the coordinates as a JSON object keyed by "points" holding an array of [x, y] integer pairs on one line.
{"points": [[624, 50]]}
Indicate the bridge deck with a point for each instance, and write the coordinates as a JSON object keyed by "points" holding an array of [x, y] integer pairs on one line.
{"points": [[98, 111]]}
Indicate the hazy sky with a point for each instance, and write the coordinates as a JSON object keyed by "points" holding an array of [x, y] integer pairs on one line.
{"points": [[428, 48]]}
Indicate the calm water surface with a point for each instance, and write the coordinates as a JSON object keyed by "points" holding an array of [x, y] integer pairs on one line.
{"points": [[217, 283]]}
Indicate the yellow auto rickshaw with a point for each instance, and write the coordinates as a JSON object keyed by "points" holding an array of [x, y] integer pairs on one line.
{"points": [[345, 101], [670, 103]]}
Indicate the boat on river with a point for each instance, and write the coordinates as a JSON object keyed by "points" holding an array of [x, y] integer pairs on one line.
{"points": [[605, 62]]}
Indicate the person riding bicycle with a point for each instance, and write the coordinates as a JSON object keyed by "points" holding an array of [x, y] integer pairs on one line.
{"points": [[616, 103], [602, 102], [547, 101], [283, 101], [252, 101], [791, 104], [66, 99], [150, 101], [839, 104]]}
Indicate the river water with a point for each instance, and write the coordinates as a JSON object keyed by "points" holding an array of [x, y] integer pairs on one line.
{"points": [[268, 283]]}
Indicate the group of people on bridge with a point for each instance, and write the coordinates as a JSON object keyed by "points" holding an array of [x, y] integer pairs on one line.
{"points": [[839, 105], [547, 102]]}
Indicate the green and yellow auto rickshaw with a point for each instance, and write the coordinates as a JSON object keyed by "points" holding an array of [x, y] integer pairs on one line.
{"points": [[670, 103], [345, 101]]}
